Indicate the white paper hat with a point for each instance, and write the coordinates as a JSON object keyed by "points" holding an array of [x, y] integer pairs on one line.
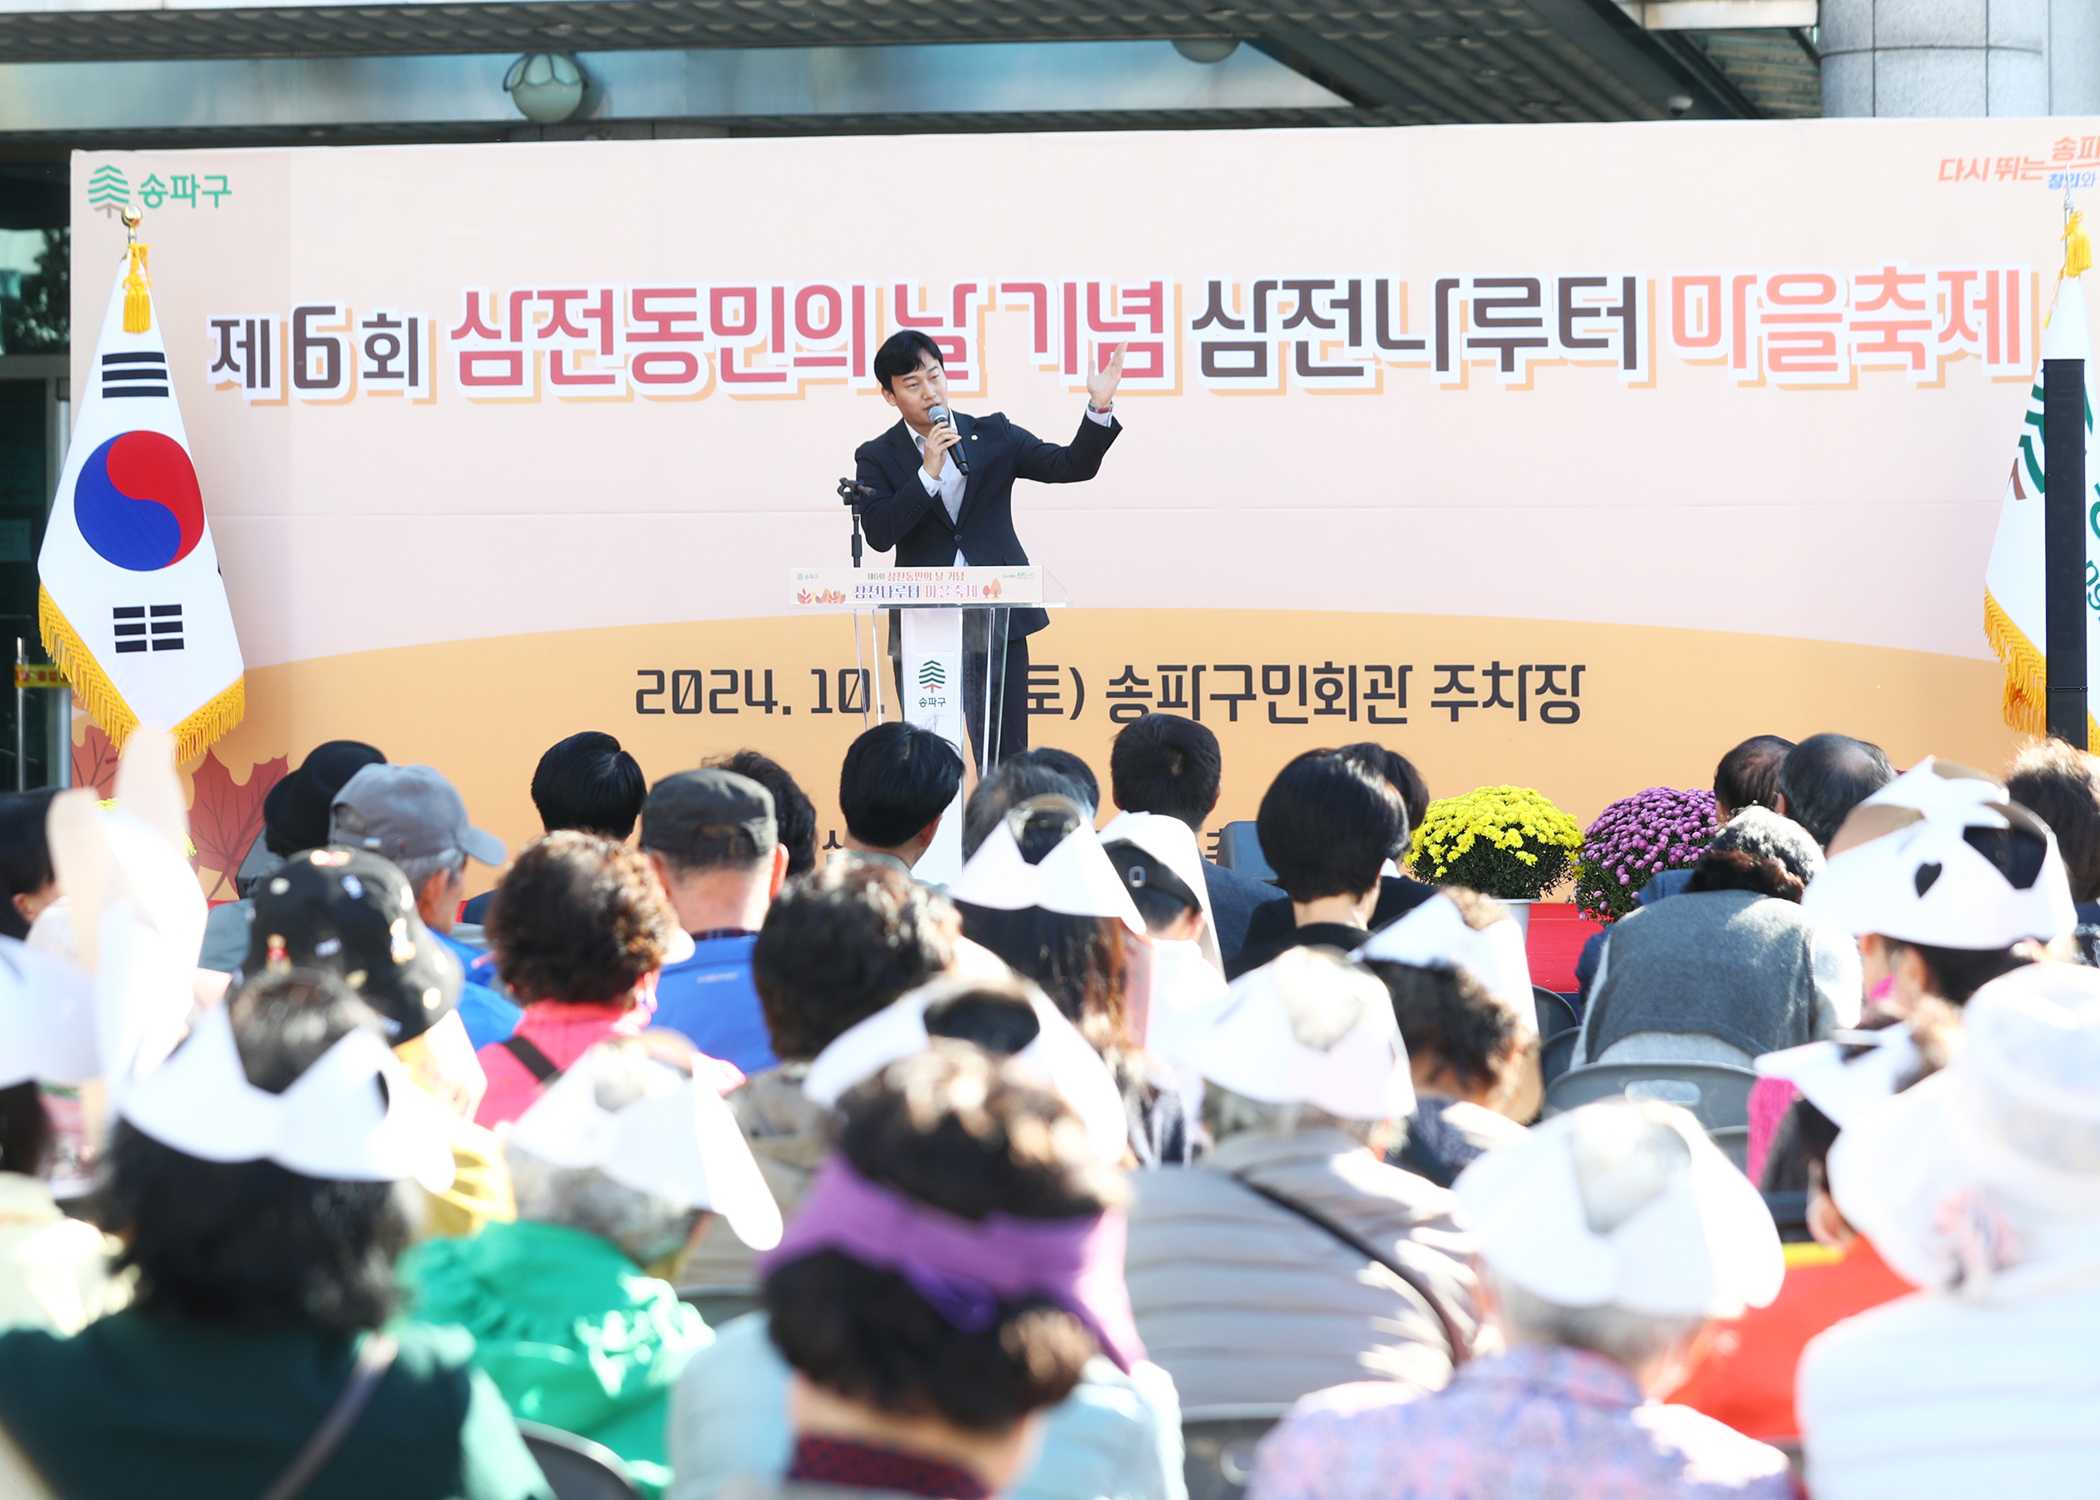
{"points": [[1704, 1246], [1436, 933], [1173, 843], [1995, 1160], [1059, 1055], [1925, 883], [1075, 879], [679, 1141], [1848, 1074], [1251, 1048], [47, 1018], [354, 1116]]}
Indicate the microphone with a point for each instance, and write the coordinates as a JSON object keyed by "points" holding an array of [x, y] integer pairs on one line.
{"points": [[940, 417]]}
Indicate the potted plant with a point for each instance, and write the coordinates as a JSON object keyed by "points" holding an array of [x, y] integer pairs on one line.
{"points": [[1509, 842], [1634, 840]]}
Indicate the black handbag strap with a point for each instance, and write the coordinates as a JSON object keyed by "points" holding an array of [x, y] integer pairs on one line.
{"points": [[374, 1359], [1454, 1334], [536, 1062]]}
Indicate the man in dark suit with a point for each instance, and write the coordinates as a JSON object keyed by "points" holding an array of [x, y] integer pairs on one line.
{"points": [[1165, 764], [935, 515]]}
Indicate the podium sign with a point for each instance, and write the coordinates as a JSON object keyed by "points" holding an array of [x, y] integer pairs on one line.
{"points": [[864, 588]]}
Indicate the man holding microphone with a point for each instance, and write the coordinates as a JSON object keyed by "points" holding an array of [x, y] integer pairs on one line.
{"points": [[939, 489]]}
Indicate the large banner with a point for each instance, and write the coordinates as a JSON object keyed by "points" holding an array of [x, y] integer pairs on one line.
{"points": [[1561, 455]]}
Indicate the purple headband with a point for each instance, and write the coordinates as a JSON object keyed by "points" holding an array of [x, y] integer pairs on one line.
{"points": [[963, 1267]]}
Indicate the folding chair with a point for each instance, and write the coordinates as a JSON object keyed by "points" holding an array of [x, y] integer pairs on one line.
{"points": [[1717, 1093], [1217, 1445], [577, 1468]]}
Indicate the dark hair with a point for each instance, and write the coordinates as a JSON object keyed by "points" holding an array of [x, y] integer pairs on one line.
{"points": [[1447, 1014], [1741, 870], [1079, 961], [578, 918], [25, 855], [1067, 765], [1168, 765], [251, 1243], [25, 1129], [901, 353], [1748, 775], [896, 779], [1826, 776], [960, 1132], [839, 945], [1327, 824], [1958, 973], [2061, 786], [587, 781], [1401, 772], [1009, 785], [995, 1014], [794, 815]]}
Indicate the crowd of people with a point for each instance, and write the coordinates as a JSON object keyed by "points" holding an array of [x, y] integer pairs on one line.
{"points": [[730, 1171]]}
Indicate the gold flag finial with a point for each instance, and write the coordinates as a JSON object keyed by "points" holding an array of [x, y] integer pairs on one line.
{"points": [[138, 307]]}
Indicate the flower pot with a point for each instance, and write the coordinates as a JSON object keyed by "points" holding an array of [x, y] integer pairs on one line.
{"points": [[1520, 912]]}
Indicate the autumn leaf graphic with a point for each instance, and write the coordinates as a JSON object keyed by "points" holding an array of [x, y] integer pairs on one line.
{"points": [[225, 817], [94, 759]]}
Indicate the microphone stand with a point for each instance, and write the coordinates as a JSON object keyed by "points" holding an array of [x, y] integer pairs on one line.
{"points": [[851, 495]]}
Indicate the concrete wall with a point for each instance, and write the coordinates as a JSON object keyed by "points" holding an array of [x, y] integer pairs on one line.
{"points": [[1960, 57]]}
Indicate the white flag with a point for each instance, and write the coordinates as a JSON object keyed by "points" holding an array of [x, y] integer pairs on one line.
{"points": [[132, 605]]}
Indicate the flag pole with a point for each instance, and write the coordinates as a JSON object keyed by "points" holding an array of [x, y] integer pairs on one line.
{"points": [[2064, 548]]}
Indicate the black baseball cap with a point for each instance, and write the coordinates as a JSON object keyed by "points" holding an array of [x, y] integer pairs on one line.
{"points": [[297, 808], [351, 914], [694, 809], [1142, 870]]}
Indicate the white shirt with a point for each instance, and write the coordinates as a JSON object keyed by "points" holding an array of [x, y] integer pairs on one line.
{"points": [[952, 482]]}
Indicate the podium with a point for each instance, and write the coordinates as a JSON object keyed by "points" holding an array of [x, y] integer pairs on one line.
{"points": [[942, 676]]}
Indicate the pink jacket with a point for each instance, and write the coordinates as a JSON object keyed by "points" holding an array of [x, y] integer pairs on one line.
{"points": [[561, 1029]]}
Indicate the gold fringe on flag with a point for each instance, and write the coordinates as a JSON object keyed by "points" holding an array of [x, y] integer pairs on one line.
{"points": [[93, 690], [2078, 248], [2026, 674], [202, 729], [138, 307]]}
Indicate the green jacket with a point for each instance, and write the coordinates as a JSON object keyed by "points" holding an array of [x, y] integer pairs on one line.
{"points": [[139, 1404], [571, 1330]]}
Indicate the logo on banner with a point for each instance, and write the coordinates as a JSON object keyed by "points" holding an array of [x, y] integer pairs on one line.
{"points": [[137, 502], [932, 675]]}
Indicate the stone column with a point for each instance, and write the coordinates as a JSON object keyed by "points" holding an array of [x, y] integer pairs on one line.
{"points": [[1960, 57]]}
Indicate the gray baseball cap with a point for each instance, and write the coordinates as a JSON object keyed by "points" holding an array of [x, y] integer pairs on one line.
{"points": [[683, 809], [407, 812]]}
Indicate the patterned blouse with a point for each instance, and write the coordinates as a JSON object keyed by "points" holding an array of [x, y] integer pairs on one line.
{"points": [[1538, 1421]]}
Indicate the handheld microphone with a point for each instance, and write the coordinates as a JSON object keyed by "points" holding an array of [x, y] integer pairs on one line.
{"points": [[940, 417]]}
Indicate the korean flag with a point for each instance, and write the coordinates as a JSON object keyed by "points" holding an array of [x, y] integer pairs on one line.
{"points": [[132, 606]]}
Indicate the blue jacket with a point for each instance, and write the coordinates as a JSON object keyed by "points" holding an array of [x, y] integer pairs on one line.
{"points": [[487, 1015], [710, 1000]]}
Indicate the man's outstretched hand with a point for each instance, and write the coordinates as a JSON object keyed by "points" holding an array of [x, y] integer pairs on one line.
{"points": [[1101, 384]]}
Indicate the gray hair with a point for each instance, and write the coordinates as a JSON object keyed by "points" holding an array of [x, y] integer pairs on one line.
{"points": [[647, 1227], [1226, 1113], [1627, 1153], [1763, 833], [418, 868]]}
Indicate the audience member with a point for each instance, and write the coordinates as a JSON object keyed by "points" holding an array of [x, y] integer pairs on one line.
{"points": [[585, 781], [412, 816], [794, 815], [262, 1222], [712, 838], [1608, 1243], [837, 947], [1178, 978], [617, 1168], [1069, 766], [1006, 788], [2061, 786], [1172, 766], [1746, 1375], [54, 1270], [1730, 969], [1467, 1057], [1041, 895], [579, 928], [1945, 883], [949, 1277], [896, 783], [296, 814], [1115, 1436], [1982, 1185], [1328, 824], [1291, 1257], [25, 860], [1824, 777], [353, 915], [1398, 894]]}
